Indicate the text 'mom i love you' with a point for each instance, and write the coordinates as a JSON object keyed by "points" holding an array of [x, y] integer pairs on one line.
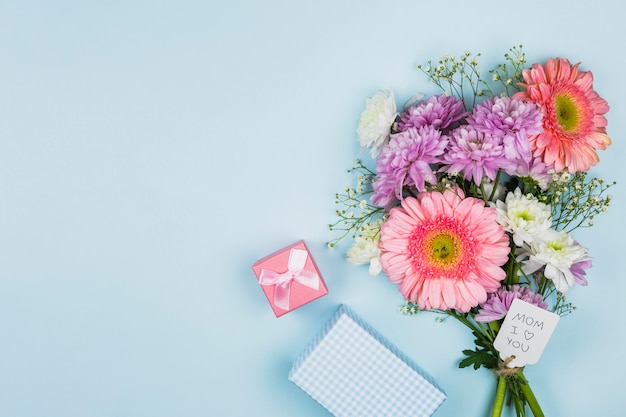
{"points": [[525, 333]]}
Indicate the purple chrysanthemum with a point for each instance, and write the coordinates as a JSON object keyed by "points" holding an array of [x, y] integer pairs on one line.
{"points": [[438, 111], [406, 160], [499, 303], [535, 169], [579, 271], [474, 154], [511, 121]]}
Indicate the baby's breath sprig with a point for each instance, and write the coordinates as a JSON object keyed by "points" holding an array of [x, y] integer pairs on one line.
{"points": [[562, 307], [457, 76], [509, 73], [409, 309], [550, 294], [461, 76], [576, 200], [356, 211]]}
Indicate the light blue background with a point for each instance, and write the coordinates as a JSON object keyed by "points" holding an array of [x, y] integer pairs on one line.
{"points": [[152, 151]]}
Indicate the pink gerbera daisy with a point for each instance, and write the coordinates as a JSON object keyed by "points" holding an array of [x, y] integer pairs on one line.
{"points": [[444, 250], [574, 126]]}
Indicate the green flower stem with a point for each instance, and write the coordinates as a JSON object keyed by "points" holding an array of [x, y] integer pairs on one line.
{"points": [[476, 327], [494, 328], [487, 334], [533, 404], [498, 403], [496, 182], [511, 275]]}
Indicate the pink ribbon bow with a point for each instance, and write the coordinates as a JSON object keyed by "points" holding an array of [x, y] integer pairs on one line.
{"points": [[282, 281]]}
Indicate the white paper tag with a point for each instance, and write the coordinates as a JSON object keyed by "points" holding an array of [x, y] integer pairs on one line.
{"points": [[525, 333]]}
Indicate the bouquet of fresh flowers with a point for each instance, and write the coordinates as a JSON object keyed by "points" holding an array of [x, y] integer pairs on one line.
{"points": [[475, 194]]}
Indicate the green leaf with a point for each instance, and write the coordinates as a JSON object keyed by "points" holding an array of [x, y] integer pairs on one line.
{"points": [[484, 355], [477, 358]]}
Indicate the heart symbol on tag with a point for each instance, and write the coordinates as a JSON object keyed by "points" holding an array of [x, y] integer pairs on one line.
{"points": [[528, 335]]}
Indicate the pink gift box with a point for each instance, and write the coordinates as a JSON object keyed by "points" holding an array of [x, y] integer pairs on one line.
{"points": [[289, 278]]}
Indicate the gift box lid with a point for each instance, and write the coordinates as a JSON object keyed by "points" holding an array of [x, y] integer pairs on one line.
{"points": [[353, 371], [290, 278]]}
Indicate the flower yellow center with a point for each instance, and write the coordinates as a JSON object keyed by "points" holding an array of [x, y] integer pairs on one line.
{"points": [[443, 249], [525, 215], [556, 246], [567, 112]]}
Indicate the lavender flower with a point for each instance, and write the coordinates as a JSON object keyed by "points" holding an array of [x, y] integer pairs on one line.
{"points": [[474, 154], [499, 303], [535, 169], [438, 111], [578, 269], [511, 121], [406, 160]]}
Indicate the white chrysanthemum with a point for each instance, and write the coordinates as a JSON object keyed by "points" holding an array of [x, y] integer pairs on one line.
{"points": [[523, 216], [557, 252], [376, 121], [365, 249]]}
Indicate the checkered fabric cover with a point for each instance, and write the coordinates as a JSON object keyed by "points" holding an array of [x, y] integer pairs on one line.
{"points": [[354, 372]]}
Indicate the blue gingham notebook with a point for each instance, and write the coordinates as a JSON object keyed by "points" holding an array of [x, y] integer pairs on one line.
{"points": [[353, 371]]}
